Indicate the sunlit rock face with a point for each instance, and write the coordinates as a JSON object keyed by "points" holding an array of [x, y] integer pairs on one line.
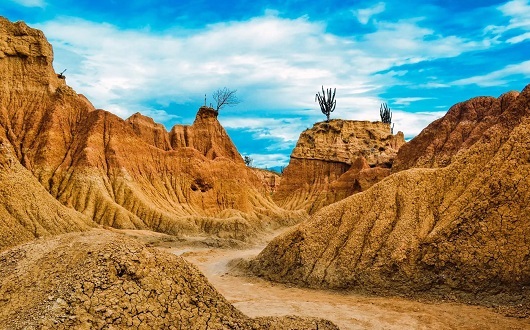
{"points": [[463, 125], [120, 173], [335, 159]]}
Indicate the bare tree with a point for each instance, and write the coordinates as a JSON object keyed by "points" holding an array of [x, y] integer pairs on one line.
{"points": [[224, 96], [327, 105]]}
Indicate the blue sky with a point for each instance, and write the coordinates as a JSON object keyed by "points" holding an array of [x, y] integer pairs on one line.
{"points": [[161, 57]]}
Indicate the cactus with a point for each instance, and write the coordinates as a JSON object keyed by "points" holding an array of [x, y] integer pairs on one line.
{"points": [[385, 113], [327, 105]]}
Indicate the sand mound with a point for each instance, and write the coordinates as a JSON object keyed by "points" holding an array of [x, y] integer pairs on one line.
{"points": [[27, 210], [99, 279]]}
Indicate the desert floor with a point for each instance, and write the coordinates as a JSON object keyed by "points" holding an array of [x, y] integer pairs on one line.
{"points": [[258, 297]]}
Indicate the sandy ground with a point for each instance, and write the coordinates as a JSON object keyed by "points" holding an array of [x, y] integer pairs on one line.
{"points": [[257, 297]]}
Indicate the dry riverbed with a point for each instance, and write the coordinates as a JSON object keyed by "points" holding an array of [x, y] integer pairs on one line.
{"points": [[257, 297]]}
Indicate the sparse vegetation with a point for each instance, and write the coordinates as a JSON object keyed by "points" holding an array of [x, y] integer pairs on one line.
{"points": [[385, 113], [225, 97], [248, 160], [327, 104], [386, 116]]}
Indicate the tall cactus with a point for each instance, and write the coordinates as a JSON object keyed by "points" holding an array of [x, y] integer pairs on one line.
{"points": [[327, 104], [385, 113]]}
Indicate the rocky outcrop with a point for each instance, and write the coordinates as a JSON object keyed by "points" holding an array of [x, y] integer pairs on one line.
{"points": [[460, 230], [124, 174], [462, 126], [206, 135], [335, 159], [153, 133], [99, 280]]}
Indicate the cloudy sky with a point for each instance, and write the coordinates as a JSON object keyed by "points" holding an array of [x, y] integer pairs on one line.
{"points": [[160, 57]]}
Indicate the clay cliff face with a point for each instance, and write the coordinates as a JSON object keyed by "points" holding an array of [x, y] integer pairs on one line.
{"points": [[124, 174], [100, 280], [269, 178], [462, 126], [153, 133], [27, 210], [462, 229], [334, 160]]}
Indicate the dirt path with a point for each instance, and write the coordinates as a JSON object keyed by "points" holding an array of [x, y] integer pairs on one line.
{"points": [[257, 297]]}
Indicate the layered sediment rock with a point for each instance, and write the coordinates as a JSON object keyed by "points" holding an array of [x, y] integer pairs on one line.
{"points": [[99, 280], [153, 133], [461, 229], [205, 135], [124, 174], [335, 159]]}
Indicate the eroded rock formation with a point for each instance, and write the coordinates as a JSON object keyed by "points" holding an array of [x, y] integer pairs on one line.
{"points": [[335, 159], [269, 178], [461, 229], [206, 135], [124, 174], [462, 126], [27, 210], [99, 279]]}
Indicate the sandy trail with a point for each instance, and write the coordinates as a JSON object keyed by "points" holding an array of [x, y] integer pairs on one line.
{"points": [[258, 297]]}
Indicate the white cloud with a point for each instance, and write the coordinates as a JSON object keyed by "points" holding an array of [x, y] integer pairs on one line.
{"points": [[433, 85], [519, 38], [274, 63], [284, 59], [30, 3], [408, 100], [411, 124], [499, 77], [518, 13], [286, 131], [364, 15], [268, 160], [405, 41]]}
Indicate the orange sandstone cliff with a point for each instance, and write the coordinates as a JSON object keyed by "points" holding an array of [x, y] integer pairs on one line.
{"points": [[334, 160], [121, 173], [463, 126]]}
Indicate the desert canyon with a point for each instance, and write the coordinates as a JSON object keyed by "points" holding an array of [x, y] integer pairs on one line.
{"points": [[108, 223]]}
